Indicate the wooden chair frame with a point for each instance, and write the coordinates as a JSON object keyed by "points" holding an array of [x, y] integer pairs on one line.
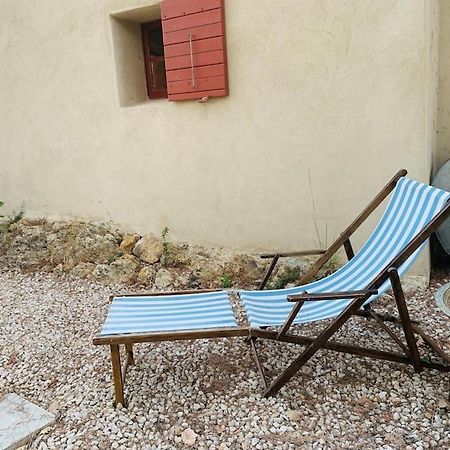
{"points": [[322, 341], [128, 340]]}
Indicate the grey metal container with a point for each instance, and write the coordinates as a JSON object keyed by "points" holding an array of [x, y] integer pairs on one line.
{"points": [[442, 181]]}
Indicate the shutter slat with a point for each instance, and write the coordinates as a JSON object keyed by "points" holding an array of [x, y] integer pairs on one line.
{"points": [[203, 45], [199, 95], [176, 8], [194, 47], [193, 20], [201, 84], [202, 32], [199, 59], [199, 72]]}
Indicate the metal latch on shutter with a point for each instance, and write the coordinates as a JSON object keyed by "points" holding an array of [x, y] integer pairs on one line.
{"points": [[192, 60]]}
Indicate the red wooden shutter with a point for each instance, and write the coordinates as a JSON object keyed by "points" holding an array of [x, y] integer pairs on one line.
{"points": [[194, 48]]}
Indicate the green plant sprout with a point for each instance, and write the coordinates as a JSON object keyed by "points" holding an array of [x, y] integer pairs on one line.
{"points": [[225, 281], [165, 258]]}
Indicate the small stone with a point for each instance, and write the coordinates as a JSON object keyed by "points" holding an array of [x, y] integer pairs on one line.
{"points": [[189, 437], [294, 415]]}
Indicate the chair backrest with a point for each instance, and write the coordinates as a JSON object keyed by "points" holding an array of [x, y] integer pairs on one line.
{"points": [[410, 210]]}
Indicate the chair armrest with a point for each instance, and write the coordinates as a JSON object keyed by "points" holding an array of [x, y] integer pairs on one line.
{"points": [[288, 254], [330, 295]]}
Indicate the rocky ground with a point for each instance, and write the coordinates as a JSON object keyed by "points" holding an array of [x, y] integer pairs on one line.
{"points": [[104, 253], [55, 279], [206, 394]]}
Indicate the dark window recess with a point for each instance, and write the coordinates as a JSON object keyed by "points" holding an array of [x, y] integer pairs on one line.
{"points": [[155, 66]]}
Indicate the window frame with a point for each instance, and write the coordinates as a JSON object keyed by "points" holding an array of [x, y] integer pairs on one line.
{"points": [[148, 59]]}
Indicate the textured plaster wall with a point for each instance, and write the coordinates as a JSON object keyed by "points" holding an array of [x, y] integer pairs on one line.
{"points": [[443, 139], [328, 100]]}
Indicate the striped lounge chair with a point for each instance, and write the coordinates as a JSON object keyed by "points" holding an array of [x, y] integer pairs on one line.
{"points": [[414, 211]]}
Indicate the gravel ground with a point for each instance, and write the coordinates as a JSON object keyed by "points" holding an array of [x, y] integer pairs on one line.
{"points": [[208, 390]]}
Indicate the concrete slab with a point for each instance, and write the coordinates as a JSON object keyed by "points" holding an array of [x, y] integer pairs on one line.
{"points": [[20, 420]]}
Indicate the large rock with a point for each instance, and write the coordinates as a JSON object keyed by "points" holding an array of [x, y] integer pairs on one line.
{"points": [[224, 268], [164, 280], [148, 249], [295, 263], [184, 280], [71, 243], [4, 241], [243, 270], [122, 270], [288, 273], [83, 270], [128, 242], [20, 420], [26, 245], [146, 276]]}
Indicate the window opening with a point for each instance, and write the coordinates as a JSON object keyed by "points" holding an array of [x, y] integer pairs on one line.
{"points": [[155, 67]]}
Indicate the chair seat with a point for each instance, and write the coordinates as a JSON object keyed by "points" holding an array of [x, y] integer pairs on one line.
{"points": [[146, 314]]}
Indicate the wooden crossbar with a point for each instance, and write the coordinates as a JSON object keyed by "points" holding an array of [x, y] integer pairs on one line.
{"points": [[207, 333], [347, 348]]}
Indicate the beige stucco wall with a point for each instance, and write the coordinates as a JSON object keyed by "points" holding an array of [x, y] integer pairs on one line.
{"points": [[443, 137], [327, 100]]}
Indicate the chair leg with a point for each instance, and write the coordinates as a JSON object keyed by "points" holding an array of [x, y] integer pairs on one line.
{"points": [[293, 314], [405, 319], [129, 350], [258, 361], [312, 349], [117, 375]]}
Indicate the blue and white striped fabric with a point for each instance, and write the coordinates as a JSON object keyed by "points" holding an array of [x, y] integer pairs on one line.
{"points": [[410, 209], [169, 313]]}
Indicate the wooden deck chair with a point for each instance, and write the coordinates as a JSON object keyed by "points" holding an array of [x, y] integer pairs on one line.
{"points": [[160, 317], [414, 211]]}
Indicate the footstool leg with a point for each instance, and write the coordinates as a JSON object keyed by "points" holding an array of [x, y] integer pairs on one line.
{"points": [[117, 375]]}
